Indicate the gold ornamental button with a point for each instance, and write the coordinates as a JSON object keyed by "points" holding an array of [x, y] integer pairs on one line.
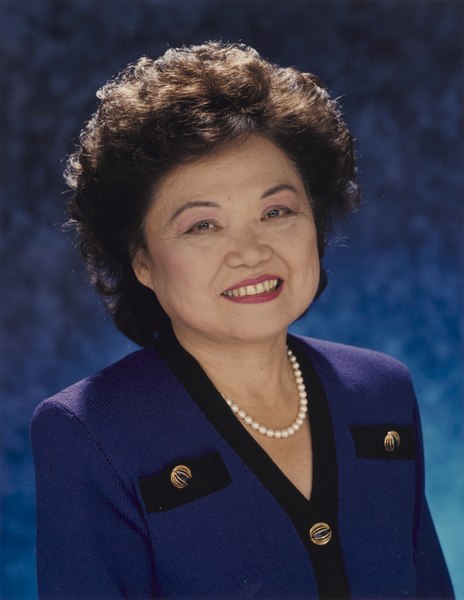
{"points": [[181, 476], [320, 534], [392, 441]]}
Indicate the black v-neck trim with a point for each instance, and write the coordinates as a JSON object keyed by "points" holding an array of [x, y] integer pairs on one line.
{"points": [[327, 561]]}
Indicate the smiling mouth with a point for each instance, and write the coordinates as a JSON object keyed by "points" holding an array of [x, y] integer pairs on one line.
{"points": [[253, 290]]}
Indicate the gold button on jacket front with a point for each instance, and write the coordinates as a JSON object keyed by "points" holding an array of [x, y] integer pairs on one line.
{"points": [[181, 476], [320, 534], [391, 441]]}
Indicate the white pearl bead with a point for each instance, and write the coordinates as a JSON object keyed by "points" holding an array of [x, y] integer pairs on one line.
{"points": [[302, 408]]}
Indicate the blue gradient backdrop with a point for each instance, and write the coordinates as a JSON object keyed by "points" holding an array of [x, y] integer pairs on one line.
{"points": [[396, 268]]}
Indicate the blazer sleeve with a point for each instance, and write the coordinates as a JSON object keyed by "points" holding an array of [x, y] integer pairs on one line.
{"points": [[92, 540], [432, 579]]}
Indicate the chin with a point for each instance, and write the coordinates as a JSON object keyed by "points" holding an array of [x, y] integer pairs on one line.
{"points": [[256, 332]]}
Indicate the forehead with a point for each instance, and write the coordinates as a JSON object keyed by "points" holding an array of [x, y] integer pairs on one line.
{"points": [[254, 164]]}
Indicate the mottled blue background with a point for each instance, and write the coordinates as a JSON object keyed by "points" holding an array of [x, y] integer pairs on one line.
{"points": [[396, 270]]}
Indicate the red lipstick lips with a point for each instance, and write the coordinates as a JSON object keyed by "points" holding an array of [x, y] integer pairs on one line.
{"points": [[255, 290]]}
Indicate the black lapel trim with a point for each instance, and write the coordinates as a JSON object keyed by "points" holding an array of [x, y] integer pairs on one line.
{"points": [[327, 560], [200, 476], [371, 441]]}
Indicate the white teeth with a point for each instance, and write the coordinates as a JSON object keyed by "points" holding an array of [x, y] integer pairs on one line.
{"points": [[252, 290]]}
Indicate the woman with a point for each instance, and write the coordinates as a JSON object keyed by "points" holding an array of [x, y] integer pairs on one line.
{"points": [[227, 459]]}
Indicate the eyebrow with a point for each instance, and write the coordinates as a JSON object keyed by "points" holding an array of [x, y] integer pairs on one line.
{"points": [[208, 204], [278, 188], [192, 204]]}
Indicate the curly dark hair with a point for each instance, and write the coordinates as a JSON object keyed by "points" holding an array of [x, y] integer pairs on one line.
{"points": [[189, 102]]}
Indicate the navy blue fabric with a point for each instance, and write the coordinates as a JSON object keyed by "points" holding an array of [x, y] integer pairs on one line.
{"points": [[93, 441], [395, 281], [327, 560]]}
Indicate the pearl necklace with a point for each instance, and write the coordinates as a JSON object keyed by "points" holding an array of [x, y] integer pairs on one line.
{"points": [[302, 410]]}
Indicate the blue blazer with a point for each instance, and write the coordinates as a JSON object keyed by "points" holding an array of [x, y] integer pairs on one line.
{"points": [[119, 515]]}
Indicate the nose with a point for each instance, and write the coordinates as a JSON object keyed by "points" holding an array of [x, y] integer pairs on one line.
{"points": [[248, 249]]}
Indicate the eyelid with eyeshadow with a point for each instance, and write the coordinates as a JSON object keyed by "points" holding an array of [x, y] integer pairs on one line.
{"points": [[284, 211], [190, 218], [192, 226], [195, 228]]}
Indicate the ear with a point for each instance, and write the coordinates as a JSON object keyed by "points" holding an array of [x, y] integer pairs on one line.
{"points": [[142, 268]]}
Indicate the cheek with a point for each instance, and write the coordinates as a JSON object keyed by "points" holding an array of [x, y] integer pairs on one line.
{"points": [[172, 269], [162, 265], [310, 266], [308, 249]]}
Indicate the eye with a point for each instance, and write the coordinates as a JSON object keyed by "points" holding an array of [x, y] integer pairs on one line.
{"points": [[276, 212], [202, 226]]}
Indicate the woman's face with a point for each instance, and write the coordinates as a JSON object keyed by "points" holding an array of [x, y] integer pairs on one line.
{"points": [[231, 247]]}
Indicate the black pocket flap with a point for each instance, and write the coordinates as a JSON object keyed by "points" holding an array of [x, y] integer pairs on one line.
{"points": [[387, 442], [183, 481]]}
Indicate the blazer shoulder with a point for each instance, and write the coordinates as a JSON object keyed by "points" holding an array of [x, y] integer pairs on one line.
{"points": [[363, 385], [357, 368], [355, 356], [120, 386]]}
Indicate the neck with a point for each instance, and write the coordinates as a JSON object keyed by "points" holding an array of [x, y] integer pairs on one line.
{"points": [[254, 373]]}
